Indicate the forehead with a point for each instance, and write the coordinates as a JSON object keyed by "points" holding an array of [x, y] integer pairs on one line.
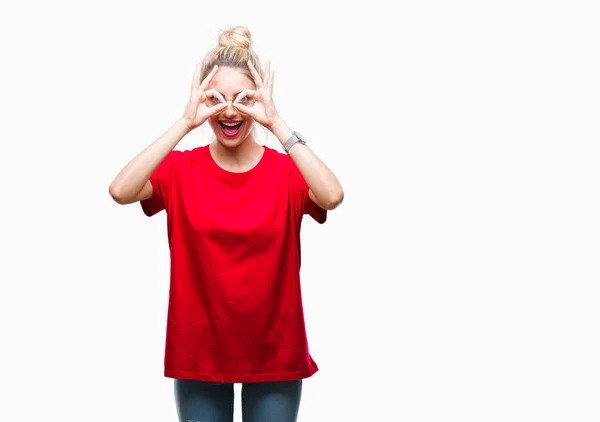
{"points": [[230, 80]]}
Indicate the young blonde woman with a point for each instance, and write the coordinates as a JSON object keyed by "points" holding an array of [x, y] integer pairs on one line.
{"points": [[234, 210]]}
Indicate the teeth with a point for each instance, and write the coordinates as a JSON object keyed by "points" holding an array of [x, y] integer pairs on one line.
{"points": [[231, 124]]}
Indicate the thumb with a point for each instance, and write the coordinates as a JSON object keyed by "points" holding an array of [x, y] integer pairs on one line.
{"points": [[244, 109], [215, 109]]}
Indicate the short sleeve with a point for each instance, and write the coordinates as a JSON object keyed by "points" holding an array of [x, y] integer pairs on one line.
{"points": [[161, 182], [300, 197]]}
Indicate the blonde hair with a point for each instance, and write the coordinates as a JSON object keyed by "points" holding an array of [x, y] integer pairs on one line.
{"points": [[235, 50]]}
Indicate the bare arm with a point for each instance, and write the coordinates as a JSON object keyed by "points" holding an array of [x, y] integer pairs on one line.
{"points": [[132, 184], [324, 187]]}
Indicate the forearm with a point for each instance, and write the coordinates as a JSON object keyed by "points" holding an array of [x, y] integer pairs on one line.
{"points": [[132, 178], [322, 182]]}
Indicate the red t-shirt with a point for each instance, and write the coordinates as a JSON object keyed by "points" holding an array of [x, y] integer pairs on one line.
{"points": [[235, 306]]}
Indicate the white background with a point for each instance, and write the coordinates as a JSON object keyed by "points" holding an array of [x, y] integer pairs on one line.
{"points": [[458, 281]]}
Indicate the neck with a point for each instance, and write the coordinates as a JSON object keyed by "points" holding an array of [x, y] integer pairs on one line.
{"points": [[239, 156]]}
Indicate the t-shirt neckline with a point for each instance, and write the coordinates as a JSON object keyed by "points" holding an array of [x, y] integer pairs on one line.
{"points": [[233, 175]]}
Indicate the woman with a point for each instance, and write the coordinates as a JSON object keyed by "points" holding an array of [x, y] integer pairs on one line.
{"points": [[234, 210]]}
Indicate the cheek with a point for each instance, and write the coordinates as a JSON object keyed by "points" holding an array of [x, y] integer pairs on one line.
{"points": [[212, 121], [249, 125]]}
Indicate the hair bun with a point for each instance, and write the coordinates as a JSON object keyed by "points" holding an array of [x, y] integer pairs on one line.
{"points": [[236, 37]]}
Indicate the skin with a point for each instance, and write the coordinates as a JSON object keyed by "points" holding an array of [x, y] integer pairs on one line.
{"points": [[242, 152], [238, 154]]}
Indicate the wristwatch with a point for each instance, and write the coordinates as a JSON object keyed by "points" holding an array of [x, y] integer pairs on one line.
{"points": [[296, 137]]}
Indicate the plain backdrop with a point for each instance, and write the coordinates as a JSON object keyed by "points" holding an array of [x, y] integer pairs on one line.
{"points": [[458, 280]]}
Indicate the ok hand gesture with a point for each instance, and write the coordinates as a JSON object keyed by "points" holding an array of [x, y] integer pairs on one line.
{"points": [[197, 110], [263, 110]]}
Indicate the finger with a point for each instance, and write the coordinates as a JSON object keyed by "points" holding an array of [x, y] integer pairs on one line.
{"points": [[257, 79], [267, 72], [213, 93], [245, 93], [216, 109], [195, 78], [209, 77], [271, 79], [243, 109]]}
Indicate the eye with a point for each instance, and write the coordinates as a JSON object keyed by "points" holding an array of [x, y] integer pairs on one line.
{"points": [[214, 100], [245, 99]]}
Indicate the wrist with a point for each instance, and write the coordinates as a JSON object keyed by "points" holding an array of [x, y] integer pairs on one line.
{"points": [[184, 124], [281, 130]]}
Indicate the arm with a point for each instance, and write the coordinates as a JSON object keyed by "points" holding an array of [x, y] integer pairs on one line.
{"points": [[325, 189], [132, 184]]}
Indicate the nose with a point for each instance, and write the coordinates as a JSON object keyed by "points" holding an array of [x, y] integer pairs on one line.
{"points": [[230, 110]]}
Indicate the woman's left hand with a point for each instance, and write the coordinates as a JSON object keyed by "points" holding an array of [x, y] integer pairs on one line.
{"points": [[263, 110]]}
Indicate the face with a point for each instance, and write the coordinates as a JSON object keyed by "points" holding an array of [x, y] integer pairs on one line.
{"points": [[230, 126]]}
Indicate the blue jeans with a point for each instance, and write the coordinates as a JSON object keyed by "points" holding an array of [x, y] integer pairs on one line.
{"points": [[202, 401]]}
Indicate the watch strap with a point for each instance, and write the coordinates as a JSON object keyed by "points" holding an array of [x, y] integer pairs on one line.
{"points": [[295, 137]]}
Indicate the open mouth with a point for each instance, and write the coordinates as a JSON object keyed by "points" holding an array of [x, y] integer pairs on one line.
{"points": [[231, 128]]}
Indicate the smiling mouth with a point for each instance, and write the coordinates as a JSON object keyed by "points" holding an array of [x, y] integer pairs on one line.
{"points": [[231, 129]]}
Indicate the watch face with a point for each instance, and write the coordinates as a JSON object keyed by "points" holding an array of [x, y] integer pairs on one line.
{"points": [[299, 137]]}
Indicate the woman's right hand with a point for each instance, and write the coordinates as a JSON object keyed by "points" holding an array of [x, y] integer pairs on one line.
{"points": [[200, 106]]}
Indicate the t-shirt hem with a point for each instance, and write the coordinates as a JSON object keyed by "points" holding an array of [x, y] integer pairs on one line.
{"points": [[283, 376]]}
